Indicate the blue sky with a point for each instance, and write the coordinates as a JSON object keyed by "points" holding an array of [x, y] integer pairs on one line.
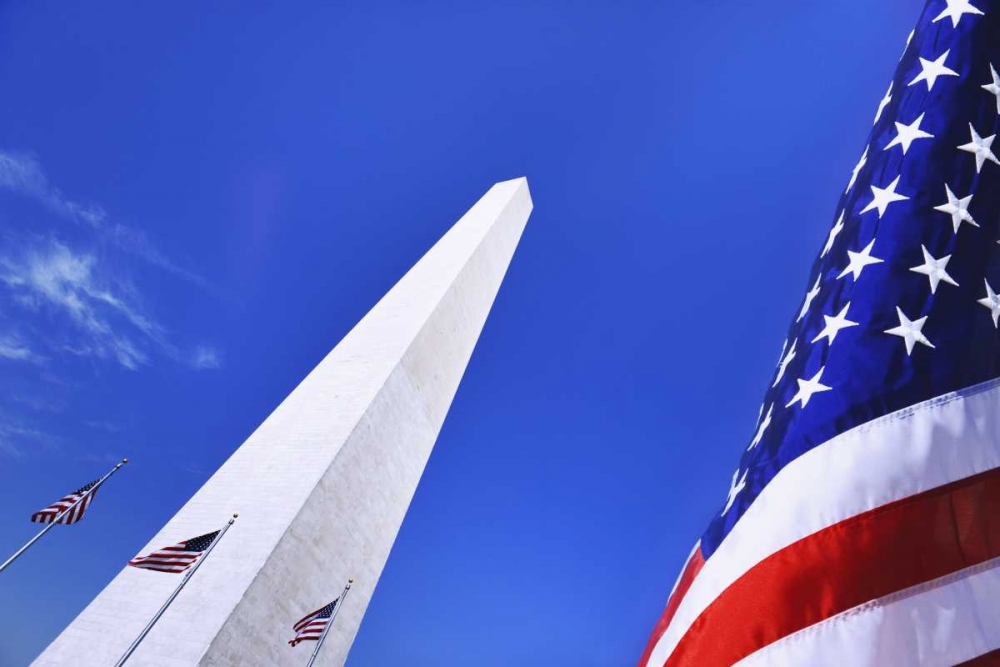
{"points": [[197, 203]]}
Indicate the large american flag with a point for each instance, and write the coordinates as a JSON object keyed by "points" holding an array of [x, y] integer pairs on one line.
{"points": [[862, 526], [49, 514], [177, 557], [310, 626]]}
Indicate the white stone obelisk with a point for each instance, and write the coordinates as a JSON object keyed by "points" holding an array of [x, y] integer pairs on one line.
{"points": [[323, 484]]}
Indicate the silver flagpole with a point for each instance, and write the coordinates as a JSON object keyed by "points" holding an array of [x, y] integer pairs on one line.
{"points": [[336, 610], [47, 528], [190, 573]]}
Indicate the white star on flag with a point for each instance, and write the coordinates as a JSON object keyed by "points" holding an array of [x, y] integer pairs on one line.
{"points": [[994, 87], [882, 197], [930, 70], [807, 388], [735, 488], [763, 427], [910, 331], [957, 208], [934, 269], [884, 103], [860, 165], [810, 295], [992, 301], [783, 364], [907, 134], [956, 10], [857, 261], [835, 324], [837, 228], [980, 147]]}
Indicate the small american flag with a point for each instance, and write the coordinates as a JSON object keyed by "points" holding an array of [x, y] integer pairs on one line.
{"points": [[49, 514], [175, 558], [311, 626]]}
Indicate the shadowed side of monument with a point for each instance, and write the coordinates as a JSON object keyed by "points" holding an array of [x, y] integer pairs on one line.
{"points": [[323, 484]]}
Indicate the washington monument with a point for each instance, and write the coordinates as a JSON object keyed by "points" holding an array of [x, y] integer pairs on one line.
{"points": [[323, 484]]}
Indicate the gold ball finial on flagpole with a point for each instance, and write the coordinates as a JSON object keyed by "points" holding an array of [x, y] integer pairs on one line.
{"points": [[236, 515], [350, 581], [125, 460]]}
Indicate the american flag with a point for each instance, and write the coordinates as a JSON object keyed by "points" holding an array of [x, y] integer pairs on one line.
{"points": [[175, 558], [310, 627], [49, 514], [862, 526]]}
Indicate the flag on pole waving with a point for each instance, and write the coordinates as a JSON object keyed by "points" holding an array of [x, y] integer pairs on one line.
{"points": [[49, 514], [310, 627], [862, 524], [187, 555], [68, 509], [177, 557]]}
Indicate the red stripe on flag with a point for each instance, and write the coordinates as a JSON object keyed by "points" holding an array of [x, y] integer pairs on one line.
{"points": [[691, 570], [871, 555]]}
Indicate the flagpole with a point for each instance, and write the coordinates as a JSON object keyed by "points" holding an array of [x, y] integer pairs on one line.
{"points": [[69, 509], [190, 573], [336, 610]]}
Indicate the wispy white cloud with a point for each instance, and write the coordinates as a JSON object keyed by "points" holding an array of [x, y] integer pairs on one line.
{"points": [[206, 358], [12, 347], [81, 282], [66, 289], [56, 278], [15, 437], [38, 403], [10, 445], [135, 242], [110, 427], [23, 174]]}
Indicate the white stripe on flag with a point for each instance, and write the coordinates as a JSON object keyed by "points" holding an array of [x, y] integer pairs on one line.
{"points": [[920, 448], [944, 623]]}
